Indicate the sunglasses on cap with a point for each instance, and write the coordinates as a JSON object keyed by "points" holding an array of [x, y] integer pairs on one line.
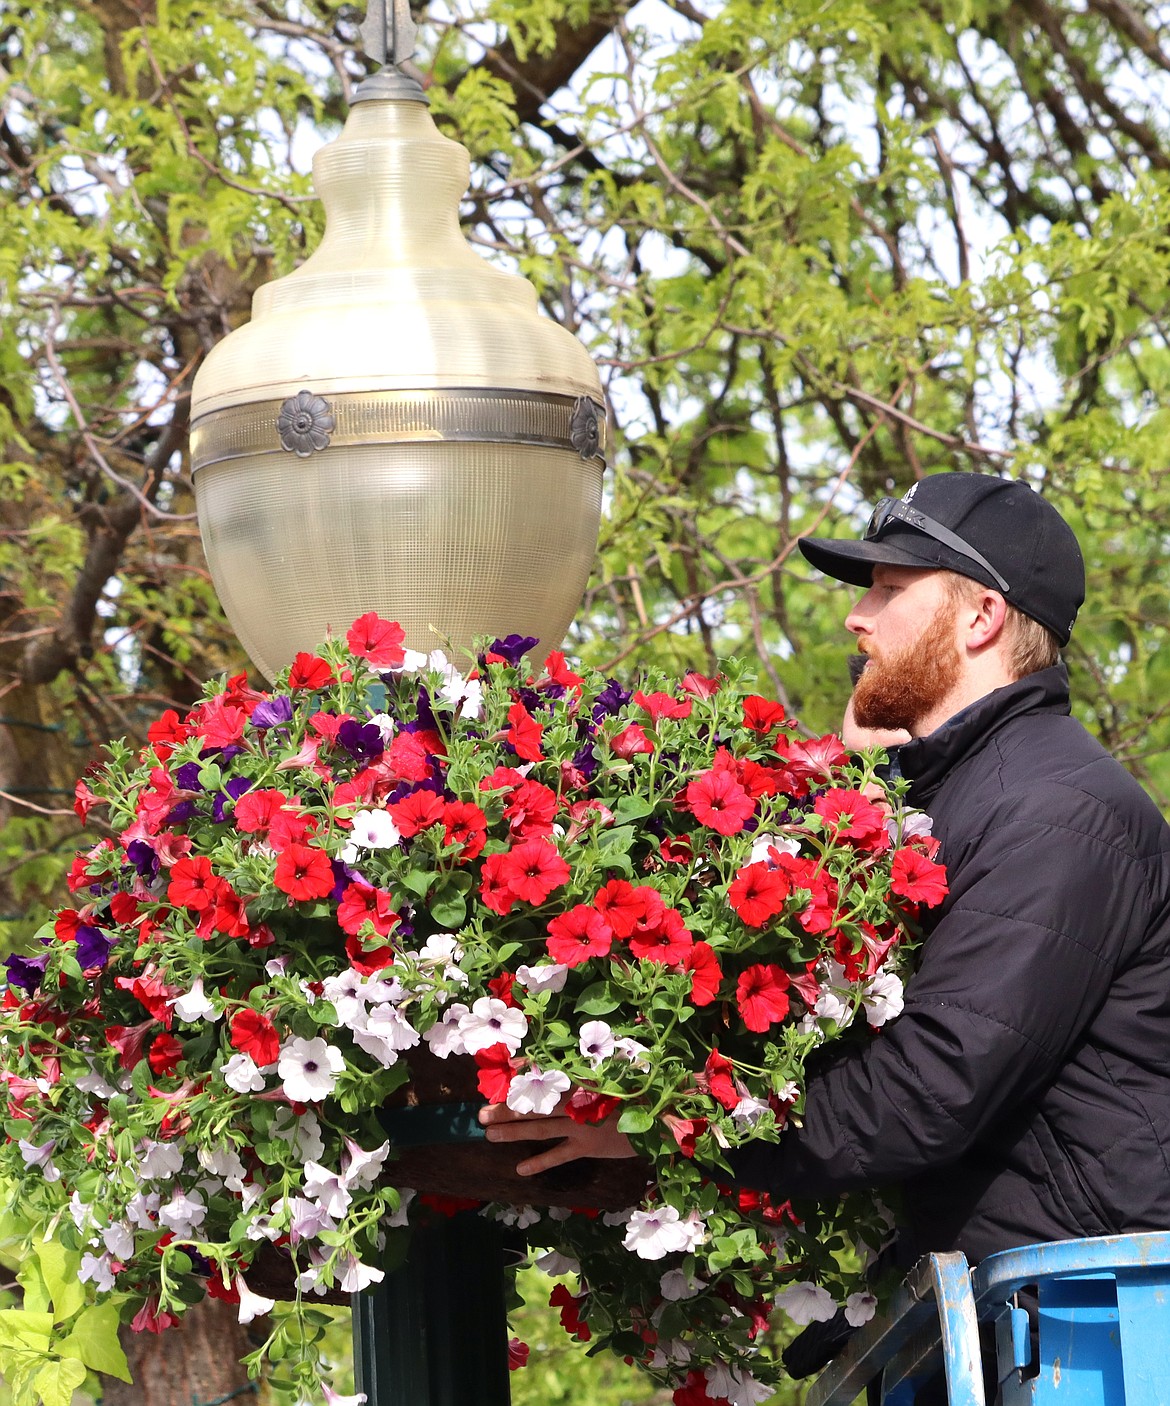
{"points": [[895, 510]]}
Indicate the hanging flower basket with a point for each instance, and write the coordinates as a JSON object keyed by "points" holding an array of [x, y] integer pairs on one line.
{"points": [[392, 888]]}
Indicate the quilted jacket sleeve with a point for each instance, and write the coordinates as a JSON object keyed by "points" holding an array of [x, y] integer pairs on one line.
{"points": [[1039, 917]]}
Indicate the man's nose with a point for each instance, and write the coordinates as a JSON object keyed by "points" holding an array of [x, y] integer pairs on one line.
{"points": [[859, 621]]}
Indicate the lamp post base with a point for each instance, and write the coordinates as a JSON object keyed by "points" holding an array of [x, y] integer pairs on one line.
{"points": [[435, 1331]]}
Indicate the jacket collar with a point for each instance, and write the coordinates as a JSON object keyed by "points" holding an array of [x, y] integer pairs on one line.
{"points": [[926, 762]]}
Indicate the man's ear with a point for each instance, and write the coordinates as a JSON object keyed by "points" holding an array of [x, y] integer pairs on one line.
{"points": [[984, 617]]}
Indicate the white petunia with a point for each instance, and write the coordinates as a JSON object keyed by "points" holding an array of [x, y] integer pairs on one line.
{"points": [[400, 1217], [346, 994], [374, 829], [736, 1384], [806, 1303], [308, 1069], [242, 1074], [142, 1210], [444, 1037], [859, 1309], [547, 976], [334, 1398], [676, 1285], [223, 1162], [303, 1133], [522, 1217], [251, 1305], [119, 1240], [160, 1160], [882, 998], [98, 1271], [441, 947], [384, 723], [307, 1219], [553, 1263], [363, 1168], [327, 1189], [632, 1050], [184, 1213], [96, 1084], [748, 1112], [195, 1005], [596, 1042], [653, 1234], [40, 1155], [355, 1276], [491, 1022], [537, 1090], [782, 844], [80, 1211], [383, 1033]]}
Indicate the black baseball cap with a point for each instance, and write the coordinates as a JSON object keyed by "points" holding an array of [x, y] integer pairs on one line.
{"points": [[994, 530]]}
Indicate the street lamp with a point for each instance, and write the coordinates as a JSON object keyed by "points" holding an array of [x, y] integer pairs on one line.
{"points": [[398, 428]]}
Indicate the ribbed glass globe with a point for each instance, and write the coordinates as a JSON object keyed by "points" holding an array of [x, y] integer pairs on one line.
{"points": [[398, 428]]}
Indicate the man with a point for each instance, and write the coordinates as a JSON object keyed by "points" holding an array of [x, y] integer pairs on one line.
{"points": [[1024, 1093]]}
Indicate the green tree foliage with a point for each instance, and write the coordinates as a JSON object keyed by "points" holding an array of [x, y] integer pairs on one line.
{"points": [[818, 250]]}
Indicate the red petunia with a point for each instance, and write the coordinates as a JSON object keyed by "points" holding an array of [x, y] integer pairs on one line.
{"points": [[577, 935], [758, 892], [531, 810], [418, 811], [129, 1041], [495, 1072], [361, 904], [517, 1354], [408, 757], [631, 742], [852, 817], [685, 1131], [820, 913], [494, 888], [663, 705], [761, 994], [534, 869], [693, 1392], [309, 672], [304, 873], [84, 801], [165, 1054], [465, 825], [220, 724], [66, 923], [706, 973], [524, 733], [291, 827], [252, 1033], [124, 909], [558, 671], [716, 799], [584, 1106], [570, 1307], [193, 885], [376, 640], [502, 777], [668, 940], [719, 1075], [504, 988], [917, 878], [166, 733], [367, 962], [762, 714], [676, 849], [622, 905], [701, 686], [256, 810], [816, 760]]}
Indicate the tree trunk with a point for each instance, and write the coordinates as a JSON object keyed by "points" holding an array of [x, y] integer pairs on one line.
{"points": [[194, 1364]]}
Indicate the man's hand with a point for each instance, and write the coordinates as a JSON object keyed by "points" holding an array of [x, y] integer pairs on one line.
{"points": [[573, 1140]]}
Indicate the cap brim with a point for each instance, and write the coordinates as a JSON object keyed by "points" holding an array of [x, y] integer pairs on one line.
{"points": [[853, 562]]}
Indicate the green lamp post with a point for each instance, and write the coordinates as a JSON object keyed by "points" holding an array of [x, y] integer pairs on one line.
{"points": [[399, 429]]}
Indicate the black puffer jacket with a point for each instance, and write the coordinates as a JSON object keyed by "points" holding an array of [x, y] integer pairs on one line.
{"points": [[1024, 1093]]}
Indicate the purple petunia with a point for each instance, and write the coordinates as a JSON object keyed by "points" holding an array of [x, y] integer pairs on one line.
{"points": [[612, 699], [513, 648], [362, 741], [143, 858], [272, 712], [93, 947], [26, 972], [187, 777], [230, 794]]}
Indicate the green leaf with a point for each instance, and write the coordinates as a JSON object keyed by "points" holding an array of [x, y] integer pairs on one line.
{"points": [[59, 1267], [94, 1340], [632, 808], [57, 1381], [21, 1328], [596, 1000], [636, 1120]]}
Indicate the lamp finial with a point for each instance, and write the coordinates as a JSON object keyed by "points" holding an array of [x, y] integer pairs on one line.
{"points": [[388, 34]]}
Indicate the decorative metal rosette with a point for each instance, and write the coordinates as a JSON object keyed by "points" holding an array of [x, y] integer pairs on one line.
{"points": [[584, 428], [305, 423]]}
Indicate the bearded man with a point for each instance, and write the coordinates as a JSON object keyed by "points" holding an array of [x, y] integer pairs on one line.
{"points": [[1024, 1093]]}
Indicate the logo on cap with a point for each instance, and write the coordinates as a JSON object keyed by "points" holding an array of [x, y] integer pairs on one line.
{"points": [[910, 492]]}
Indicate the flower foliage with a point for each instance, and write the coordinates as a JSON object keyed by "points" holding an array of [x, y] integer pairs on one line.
{"points": [[654, 903]]}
